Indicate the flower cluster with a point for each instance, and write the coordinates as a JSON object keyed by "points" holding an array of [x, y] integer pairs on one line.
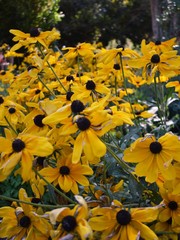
{"points": [[88, 131]]}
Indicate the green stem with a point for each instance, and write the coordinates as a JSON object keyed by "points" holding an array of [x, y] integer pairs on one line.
{"points": [[55, 189], [34, 204], [46, 87], [125, 87], [164, 232], [57, 78], [159, 104], [115, 86], [10, 125], [52, 69]]}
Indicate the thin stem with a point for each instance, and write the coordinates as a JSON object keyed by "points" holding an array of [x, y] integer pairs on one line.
{"points": [[57, 78], [46, 87], [10, 125], [33, 204], [158, 103], [55, 189], [52, 69], [115, 86], [125, 87]]}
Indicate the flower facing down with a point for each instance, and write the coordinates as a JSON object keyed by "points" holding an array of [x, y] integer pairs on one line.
{"points": [[23, 222], [115, 222], [21, 148], [71, 222], [154, 156], [67, 174]]}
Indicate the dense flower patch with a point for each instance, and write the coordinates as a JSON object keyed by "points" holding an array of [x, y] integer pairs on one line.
{"points": [[89, 140]]}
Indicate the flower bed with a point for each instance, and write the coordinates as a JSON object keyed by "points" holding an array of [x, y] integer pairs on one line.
{"points": [[89, 140]]}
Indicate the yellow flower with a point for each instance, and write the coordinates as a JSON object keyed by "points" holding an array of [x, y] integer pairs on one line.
{"points": [[35, 35], [87, 123], [82, 49], [176, 85], [21, 148], [23, 222], [108, 55], [71, 221], [154, 156], [162, 46], [170, 208], [137, 81], [14, 114], [67, 174], [166, 63], [116, 222]]}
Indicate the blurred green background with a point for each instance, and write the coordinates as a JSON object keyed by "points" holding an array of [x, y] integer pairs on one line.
{"points": [[93, 20]]}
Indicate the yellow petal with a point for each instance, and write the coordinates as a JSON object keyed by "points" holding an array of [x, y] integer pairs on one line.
{"points": [[164, 215], [98, 147], [78, 146], [144, 230], [38, 146]]}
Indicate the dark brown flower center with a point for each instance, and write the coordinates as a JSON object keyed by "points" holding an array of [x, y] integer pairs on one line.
{"points": [[64, 170], [35, 200], [38, 120], [69, 95], [77, 106], [34, 32], [116, 66], [155, 147], [169, 221], [158, 42], [173, 205], [90, 85], [69, 78], [69, 223], [37, 91], [31, 67], [40, 160], [3, 73], [1, 100], [123, 217], [12, 110], [155, 58], [83, 123], [25, 222], [18, 145]]}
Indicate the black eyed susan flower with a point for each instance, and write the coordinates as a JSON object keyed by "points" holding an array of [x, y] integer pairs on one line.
{"points": [[21, 148], [116, 222], [166, 63], [167, 227], [71, 221], [35, 35], [23, 222], [170, 208], [154, 156], [67, 174], [162, 46], [82, 49]]}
